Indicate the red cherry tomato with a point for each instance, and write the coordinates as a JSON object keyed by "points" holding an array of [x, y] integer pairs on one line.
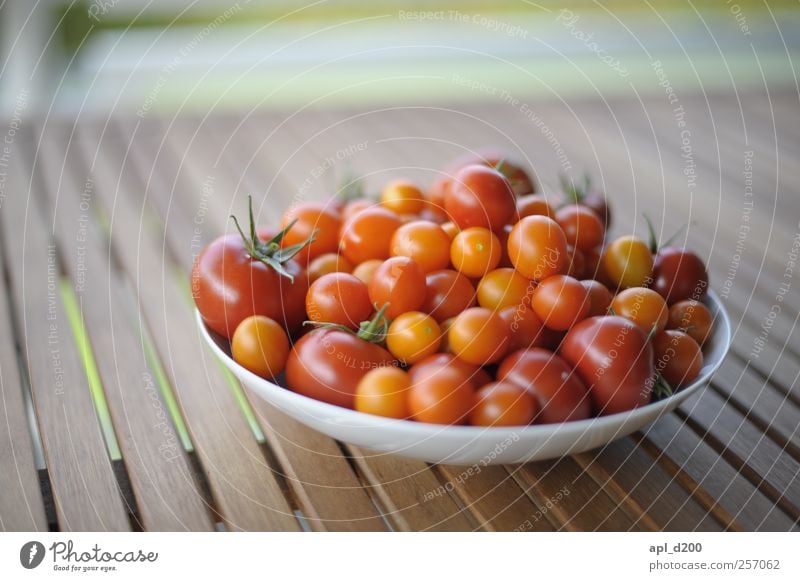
{"points": [[312, 216], [561, 395], [582, 227], [599, 298], [479, 336], [477, 375], [480, 196], [538, 248], [693, 318], [338, 298], [525, 328], [440, 395], [503, 404], [534, 205], [425, 242], [368, 234], [399, 282], [678, 357], [328, 364], [228, 286], [354, 207], [560, 301], [501, 160], [614, 359], [678, 275], [447, 293]]}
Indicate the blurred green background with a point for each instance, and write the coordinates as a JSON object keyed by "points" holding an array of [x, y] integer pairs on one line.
{"points": [[166, 55]]}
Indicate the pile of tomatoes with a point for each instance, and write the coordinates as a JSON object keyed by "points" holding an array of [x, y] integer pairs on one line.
{"points": [[477, 301]]}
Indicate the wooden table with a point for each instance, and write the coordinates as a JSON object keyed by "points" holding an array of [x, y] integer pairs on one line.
{"points": [[102, 217]]}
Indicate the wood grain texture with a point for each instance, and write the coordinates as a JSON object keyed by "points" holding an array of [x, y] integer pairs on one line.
{"points": [[85, 490]]}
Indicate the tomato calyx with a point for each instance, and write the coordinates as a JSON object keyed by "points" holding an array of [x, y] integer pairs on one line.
{"points": [[504, 168], [661, 388], [350, 188], [576, 193], [652, 243], [372, 331], [270, 252]]}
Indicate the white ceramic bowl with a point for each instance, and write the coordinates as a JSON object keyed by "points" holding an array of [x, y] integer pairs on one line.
{"points": [[471, 444]]}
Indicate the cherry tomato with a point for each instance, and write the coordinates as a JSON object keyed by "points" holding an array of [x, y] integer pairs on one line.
{"points": [[591, 264], [592, 199], [582, 227], [338, 298], [599, 298], [447, 293], [326, 264], [368, 234], [260, 345], [519, 179], [693, 318], [478, 376], [643, 306], [538, 248], [384, 392], [525, 328], [450, 229], [614, 359], [312, 216], [678, 357], [425, 242], [366, 270], [503, 404], [479, 336], [502, 288], [327, 364], [480, 196], [475, 251], [502, 236], [560, 301], [627, 262], [413, 336], [436, 192], [400, 282], [560, 394], [679, 274], [355, 207], [440, 395], [402, 197], [576, 262], [534, 205], [228, 286]]}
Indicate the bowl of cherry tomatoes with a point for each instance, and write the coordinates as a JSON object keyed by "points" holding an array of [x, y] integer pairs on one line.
{"points": [[476, 321]]}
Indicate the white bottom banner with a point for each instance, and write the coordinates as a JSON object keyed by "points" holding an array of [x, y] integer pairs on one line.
{"points": [[353, 556]]}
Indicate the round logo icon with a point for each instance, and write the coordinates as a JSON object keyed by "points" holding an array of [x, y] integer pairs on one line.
{"points": [[31, 554]]}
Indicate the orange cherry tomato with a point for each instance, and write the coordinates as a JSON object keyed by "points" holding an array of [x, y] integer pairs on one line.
{"points": [[366, 270], [560, 301], [312, 216], [525, 328], [368, 234], [503, 404], [627, 262], [425, 242], [480, 196], [383, 391], [643, 306], [413, 336], [477, 375], [599, 298], [402, 197], [678, 357], [692, 317], [400, 282], [479, 336], [260, 345], [440, 395], [447, 293], [450, 229], [475, 251], [534, 205], [356, 206], [583, 228], [502, 288], [538, 248], [338, 298], [326, 264]]}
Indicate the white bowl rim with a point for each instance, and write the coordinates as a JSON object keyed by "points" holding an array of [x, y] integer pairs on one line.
{"points": [[722, 329]]}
